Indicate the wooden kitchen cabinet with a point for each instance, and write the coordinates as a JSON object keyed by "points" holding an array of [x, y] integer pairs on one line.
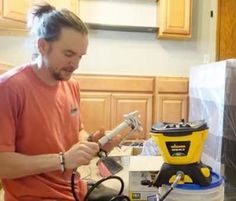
{"points": [[105, 99], [123, 103], [226, 30], [172, 107], [175, 19], [4, 66], [106, 110], [96, 110], [171, 99], [13, 14]]}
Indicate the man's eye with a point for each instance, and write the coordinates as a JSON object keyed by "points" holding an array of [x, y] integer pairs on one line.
{"points": [[68, 54]]}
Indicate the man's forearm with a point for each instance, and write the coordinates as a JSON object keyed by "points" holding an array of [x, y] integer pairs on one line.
{"points": [[15, 165]]}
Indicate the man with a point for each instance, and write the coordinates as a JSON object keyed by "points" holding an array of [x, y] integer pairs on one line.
{"points": [[41, 134]]}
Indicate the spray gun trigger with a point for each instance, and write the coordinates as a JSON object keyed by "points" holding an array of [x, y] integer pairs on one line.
{"points": [[102, 153]]}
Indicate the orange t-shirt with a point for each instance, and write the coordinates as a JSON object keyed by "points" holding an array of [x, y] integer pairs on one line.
{"points": [[38, 119]]}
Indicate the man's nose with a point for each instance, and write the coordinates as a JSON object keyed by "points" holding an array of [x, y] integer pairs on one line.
{"points": [[74, 62]]}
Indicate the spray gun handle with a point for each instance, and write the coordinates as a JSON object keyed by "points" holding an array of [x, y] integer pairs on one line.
{"points": [[130, 119]]}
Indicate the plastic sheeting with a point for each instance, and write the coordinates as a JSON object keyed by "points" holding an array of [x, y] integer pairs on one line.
{"points": [[150, 148], [212, 90]]}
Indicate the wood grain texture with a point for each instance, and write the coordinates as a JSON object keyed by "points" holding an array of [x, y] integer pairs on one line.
{"points": [[4, 66], [170, 99], [171, 85], [115, 83], [175, 19], [13, 14], [226, 31]]}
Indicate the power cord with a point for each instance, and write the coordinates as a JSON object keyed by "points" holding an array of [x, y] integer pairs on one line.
{"points": [[179, 176], [73, 184], [119, 196]]}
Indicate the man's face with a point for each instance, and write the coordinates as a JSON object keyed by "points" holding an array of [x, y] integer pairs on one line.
{"points": [[63, 56]]}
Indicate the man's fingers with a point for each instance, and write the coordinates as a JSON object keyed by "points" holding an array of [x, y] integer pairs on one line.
{"points": [[98, 134]]}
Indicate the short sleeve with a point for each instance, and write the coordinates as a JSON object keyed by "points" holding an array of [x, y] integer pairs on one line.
{"points": [[8, 118]]}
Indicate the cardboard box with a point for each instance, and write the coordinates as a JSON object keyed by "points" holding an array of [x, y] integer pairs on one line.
{"points": [[143, 169], [122, 151]]}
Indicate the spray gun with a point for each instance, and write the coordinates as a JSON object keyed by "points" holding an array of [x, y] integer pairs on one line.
{"points": [[130, 120], [107, 165]]}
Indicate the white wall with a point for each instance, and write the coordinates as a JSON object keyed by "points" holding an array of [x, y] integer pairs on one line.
{"points": [[132, 53], [119, 12]]}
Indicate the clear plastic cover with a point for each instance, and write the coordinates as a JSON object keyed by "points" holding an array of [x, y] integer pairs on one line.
{"points": [[212, 91]]}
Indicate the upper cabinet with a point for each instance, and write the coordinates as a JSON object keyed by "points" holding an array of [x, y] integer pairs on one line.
{"points": [[13, 16], [226, 30], [175, 18], [13, 13]]}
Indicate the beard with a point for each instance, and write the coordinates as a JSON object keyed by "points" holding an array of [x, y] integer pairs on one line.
{"points": [[63, 74]]}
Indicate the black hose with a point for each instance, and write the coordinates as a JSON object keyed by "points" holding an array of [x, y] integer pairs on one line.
{"points": [[101, 181], [166, 194], [116, 198], [179, 176], [73, 184]]}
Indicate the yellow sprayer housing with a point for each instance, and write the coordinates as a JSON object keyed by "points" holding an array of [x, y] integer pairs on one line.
{"points": [[180, 143]]}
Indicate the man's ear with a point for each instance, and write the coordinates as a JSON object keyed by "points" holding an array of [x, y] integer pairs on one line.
{"points": [[43, 46]]}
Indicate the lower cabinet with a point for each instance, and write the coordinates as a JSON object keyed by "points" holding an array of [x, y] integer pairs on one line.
{"points": [[171, 99], [106, 110], [4, 66], [106, 98], [96, 110], [123, 103], [172, 107]]}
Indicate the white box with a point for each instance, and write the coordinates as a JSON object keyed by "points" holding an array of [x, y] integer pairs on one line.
{"points": [[142, 168]]}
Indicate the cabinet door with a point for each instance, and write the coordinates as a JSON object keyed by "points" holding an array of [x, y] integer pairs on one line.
{"points": [[13, 16], [172, 108], [15, 10], [123, 103], [14, 13], [226, 30], [95, 110], [175, 18], [4, 66]]}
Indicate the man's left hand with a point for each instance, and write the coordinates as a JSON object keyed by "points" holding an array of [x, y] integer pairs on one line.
{"points": [[115, 141]]}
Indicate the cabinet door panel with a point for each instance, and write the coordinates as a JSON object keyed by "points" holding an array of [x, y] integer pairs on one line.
{"points": [[14, 13], [172, 108], [15, 10], [4, 66], [175, 18], [226, 33], [95, 110], [124, 103]]}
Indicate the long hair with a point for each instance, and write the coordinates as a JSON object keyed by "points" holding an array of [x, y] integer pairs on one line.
{"points": [[44, 21]]}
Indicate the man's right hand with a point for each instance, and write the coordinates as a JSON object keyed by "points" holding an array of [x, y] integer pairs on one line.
{"points": [[80, 154]]}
